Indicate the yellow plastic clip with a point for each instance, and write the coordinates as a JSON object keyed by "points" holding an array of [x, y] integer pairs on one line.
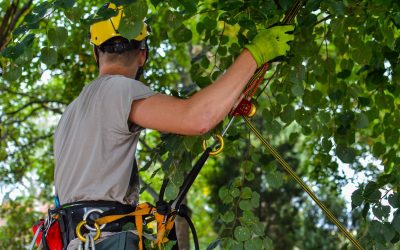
{"points": [[79, 234], [219, 149]]}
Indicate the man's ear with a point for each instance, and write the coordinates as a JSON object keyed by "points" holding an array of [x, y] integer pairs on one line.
{"points": [[142, 57]]}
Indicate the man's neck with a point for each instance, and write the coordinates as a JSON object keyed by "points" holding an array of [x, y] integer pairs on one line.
{"points": [[118, 70]]}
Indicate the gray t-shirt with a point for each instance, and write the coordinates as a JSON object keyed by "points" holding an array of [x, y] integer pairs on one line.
{"points": [[95, 144]]}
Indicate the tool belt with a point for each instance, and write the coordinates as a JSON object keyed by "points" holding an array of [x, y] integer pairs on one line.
{"points": [[72, 214]]}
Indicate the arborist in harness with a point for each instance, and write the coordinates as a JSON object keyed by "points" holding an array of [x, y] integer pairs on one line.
{"points": [[96, 138]]}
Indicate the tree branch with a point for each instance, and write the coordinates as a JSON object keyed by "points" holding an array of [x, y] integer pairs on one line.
{"points": [[148, 189], [28, 145], [19, 14], [40, 102]]}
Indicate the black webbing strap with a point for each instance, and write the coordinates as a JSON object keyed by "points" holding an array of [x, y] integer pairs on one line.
{"points": [[190, 178], [182, 210]]}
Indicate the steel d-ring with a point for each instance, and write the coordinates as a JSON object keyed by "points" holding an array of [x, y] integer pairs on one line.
{"points": [[86, 215]]}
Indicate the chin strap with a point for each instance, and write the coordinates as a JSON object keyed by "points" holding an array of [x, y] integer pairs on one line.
{"points": [[140, 71]]}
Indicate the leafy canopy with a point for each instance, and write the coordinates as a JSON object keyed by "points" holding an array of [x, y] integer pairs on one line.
{"points": [[332, 109]]}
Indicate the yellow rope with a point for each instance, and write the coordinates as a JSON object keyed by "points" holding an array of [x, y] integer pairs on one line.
{"points": [[304, 186]]}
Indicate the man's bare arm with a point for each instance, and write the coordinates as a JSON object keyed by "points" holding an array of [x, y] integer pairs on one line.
{"points": [[202, 111]]}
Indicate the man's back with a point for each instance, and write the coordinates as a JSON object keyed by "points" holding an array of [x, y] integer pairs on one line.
{"points": [[94, 144]]}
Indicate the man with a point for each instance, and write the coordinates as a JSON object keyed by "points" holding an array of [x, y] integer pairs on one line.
{"points": [[95, 141]]}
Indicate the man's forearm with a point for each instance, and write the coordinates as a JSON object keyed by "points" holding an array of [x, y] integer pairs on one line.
{"points": [[215, 101]]}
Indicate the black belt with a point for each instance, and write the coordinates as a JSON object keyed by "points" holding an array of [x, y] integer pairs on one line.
{"points": [[73, 213]]}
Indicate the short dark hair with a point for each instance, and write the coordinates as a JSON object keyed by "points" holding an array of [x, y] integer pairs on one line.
{"points": [[120, 45], [121, 50]]}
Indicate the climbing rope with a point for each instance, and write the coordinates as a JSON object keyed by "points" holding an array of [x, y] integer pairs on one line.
{"points": [[303, 185]]}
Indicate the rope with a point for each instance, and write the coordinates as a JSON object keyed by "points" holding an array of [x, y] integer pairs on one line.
{"points": [[303, 185]]}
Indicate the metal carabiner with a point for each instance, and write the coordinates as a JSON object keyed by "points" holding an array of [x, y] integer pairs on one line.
{"points": [[86, 215], [79, 234], [218, 150]]}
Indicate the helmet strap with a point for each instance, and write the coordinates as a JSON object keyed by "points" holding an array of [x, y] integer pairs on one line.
{"points": [[96, 56], [141, 69]]}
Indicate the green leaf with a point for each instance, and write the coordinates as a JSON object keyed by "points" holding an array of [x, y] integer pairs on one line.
{"points": [[312, 98], [326, 144], [371, 192], [268, 244], [362, 121], [38, 12], [64, 4], [12, 73], [171, 191], [379, 149], [129, 28], [357, 198], [209, 23], [297, 89], [12, 52], [214, 244], [344, 74], [20, 30], [388, 232], [396, 222], [57, 36], [288, 114], [242, 233], [189, 5], [234, 192], [345, 154], [174, 19], [74, 14], [255, 243], [203, 81], [155, 2], [182, 34], [255, 199], [123, 2], [228, 217], [394, 200], [274, 179], [245, 205], [223, 192], [189, 142], [233, 245], [224, 195], [246, 193], [132, 23], [380, 211], [48, 56]]}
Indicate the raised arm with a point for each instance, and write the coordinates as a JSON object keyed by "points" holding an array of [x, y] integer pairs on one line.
{"points": [[205, 109], [202, 111]]}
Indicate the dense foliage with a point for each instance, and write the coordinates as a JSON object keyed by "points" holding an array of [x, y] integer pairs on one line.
{"points": [[332, 110]]}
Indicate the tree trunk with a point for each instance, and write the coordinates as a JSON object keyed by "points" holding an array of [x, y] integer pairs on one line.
{"points": [[182, 232]]}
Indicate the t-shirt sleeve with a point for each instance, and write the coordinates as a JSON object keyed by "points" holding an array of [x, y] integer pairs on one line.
{"points": [[121, 93]]}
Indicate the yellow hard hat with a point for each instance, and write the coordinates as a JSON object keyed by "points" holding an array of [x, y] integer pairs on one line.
{"points": [[104, 30]]}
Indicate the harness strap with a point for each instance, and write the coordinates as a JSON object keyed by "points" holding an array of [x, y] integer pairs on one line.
{"points": [[165, 223]]}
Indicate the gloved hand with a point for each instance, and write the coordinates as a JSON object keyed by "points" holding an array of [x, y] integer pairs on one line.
{"points": [[270, 43]]}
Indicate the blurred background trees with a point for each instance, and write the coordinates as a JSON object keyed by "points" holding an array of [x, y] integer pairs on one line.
{"points": [[332, 111]]}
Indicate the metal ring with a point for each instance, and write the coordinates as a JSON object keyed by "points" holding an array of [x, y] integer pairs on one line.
{"points": [[220, 140], [85, 216], [80, 236]]}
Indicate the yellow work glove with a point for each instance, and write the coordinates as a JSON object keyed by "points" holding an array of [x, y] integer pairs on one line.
{"points": [[271, 43]]}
